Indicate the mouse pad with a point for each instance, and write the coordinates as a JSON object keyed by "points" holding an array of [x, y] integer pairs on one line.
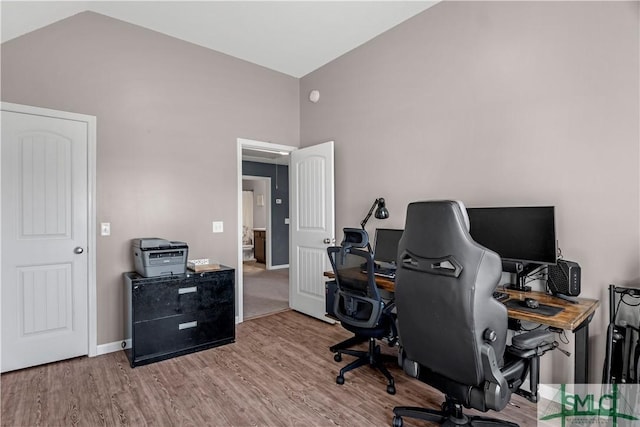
{"points": [[543, 309]]}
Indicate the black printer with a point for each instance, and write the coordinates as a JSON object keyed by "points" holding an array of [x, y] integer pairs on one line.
{"points": [[154, 257]]}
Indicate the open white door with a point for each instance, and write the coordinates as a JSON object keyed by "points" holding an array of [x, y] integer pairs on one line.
{"points": [[312, 229]]}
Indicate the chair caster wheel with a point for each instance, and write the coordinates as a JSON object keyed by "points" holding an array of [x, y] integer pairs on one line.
{"points": [[340, 379], [337, 357], [392, 390], [397, 421]]}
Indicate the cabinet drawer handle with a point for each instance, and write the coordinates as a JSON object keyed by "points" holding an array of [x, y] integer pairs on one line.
{"points": [[187, 290], [187, 325]]}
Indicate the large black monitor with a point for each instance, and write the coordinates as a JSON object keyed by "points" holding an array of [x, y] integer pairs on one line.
{"points": [[525, 236], [385, 247]]}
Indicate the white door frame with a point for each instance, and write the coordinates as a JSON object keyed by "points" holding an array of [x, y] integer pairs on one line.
{"points": [[91, 197], [249, 143]]}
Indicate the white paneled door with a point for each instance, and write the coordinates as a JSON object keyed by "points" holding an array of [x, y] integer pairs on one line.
{"points": [[45, 214], [311, 172]]}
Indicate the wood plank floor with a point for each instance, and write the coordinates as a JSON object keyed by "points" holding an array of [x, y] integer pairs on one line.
{"points": [[279, 372]]}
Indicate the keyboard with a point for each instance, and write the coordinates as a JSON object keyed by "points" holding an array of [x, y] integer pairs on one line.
{"points": [[500, 296], [389, 273]]}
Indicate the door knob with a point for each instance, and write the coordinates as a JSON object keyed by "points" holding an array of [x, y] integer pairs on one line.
{"points": [[78, 250], [328, 241]]}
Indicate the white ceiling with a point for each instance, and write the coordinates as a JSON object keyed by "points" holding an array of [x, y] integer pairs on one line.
{"points": [[293, 37]]}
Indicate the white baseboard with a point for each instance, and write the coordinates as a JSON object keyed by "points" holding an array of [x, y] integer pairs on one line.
{"points": [[111, 347], [278, 267]]}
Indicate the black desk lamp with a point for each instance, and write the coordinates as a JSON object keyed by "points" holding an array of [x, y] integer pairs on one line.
{"points": [[381, 213]]}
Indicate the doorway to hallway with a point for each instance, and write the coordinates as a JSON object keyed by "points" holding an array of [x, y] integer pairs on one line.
{"points": [[264, 252]]}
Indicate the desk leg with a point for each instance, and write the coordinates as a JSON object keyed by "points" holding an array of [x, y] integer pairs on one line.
{"points": [[581, 369]]}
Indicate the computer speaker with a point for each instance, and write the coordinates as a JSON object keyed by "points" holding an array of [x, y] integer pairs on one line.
{"points": [[564, 278]]}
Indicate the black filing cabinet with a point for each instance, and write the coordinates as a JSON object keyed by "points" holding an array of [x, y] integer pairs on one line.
{"points": [[170, 316]]}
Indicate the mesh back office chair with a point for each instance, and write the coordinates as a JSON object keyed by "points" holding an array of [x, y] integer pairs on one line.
{"points": [[359, 307], [453, 332]]}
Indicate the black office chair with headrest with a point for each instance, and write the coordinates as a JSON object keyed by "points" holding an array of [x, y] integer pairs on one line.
{"points": [[359, 306], [452, 331]]}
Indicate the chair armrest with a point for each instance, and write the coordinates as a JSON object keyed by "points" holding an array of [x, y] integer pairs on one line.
{"points": [[496, 391], [370, 322], [532, 339], [531, 344]]}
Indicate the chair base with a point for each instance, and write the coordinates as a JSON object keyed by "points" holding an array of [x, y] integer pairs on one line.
{"points": [[451, 415], [373, 357]]}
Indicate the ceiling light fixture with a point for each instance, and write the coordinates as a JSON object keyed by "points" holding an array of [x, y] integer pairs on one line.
{"points": [[266, 150]]}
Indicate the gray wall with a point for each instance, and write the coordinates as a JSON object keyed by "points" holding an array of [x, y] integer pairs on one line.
{"points": [[168, 115], [279, 190], [497, 103]]}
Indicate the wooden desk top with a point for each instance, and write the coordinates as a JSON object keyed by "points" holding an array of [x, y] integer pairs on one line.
{"points": [[570, 318]]}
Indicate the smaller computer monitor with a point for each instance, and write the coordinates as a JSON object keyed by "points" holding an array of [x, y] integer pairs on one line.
{"points": [[385, 247]]}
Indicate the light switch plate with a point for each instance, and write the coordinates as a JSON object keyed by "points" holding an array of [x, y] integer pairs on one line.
{"points": [[218, 226], [105, 229]]}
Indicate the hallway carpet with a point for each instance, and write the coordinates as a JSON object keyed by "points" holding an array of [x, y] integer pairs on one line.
{"points": [[265, 291]]}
